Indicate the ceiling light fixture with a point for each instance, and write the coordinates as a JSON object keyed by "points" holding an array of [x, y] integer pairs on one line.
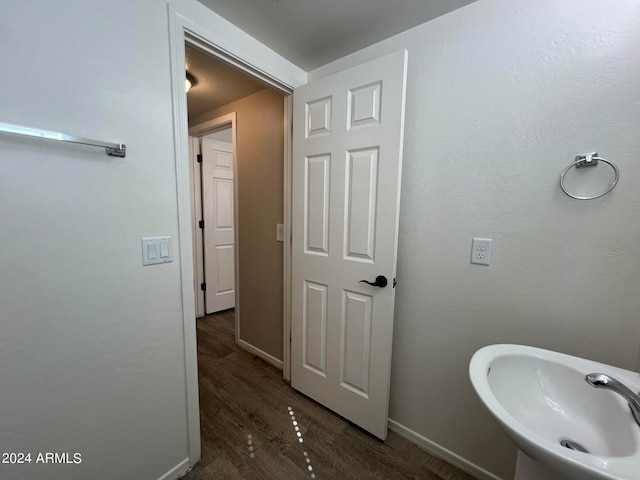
{"points": [[189, 82]]}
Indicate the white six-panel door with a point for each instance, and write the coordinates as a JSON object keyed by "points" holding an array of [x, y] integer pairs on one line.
{"points": [[219, 230], [347, 157]]}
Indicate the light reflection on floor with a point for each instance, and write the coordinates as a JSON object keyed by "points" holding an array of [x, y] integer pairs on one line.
{"points": [[294, 422], [250, 446]]}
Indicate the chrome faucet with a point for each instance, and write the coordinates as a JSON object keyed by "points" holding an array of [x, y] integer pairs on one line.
{"points": [[600, 380]]}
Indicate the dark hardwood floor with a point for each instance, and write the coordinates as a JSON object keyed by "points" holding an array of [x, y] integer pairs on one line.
{"points": [[247, 416]]}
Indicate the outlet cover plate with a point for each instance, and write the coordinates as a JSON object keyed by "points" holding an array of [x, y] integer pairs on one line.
{"points": [[481, 251]]}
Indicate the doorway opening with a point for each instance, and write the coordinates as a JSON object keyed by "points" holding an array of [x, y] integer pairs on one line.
{"points": [[266, 67], [217, 202], [237, 150], [211, 158]]}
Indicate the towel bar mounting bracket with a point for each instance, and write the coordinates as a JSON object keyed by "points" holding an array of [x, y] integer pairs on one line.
{"points": [[587, 160]]}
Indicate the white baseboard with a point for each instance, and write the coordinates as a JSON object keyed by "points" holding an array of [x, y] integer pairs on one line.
{"points": [[259, 353], [177, 471], [441, 452]]}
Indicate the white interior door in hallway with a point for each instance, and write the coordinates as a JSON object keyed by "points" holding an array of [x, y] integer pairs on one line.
{"points": [[347, 157], [219, 229]]}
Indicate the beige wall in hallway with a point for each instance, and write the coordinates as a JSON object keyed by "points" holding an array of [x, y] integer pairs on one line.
{"points": [[260, 150]]}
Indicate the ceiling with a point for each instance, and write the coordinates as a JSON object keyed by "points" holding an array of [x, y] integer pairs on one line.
{"points": [[308, 33], [312, 33], [216, 83]]}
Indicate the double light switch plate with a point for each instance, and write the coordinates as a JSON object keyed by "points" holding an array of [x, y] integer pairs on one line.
{"points": [[156, 250]]}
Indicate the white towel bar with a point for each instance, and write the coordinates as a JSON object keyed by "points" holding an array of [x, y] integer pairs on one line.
{"points": [[114, 149]]}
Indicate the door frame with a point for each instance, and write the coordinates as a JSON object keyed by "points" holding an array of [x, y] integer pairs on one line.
{"points": [[234, 47], [202, 130], [196, 210]]}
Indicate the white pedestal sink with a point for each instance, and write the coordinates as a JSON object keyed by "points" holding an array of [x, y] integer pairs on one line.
{"points": [[542, 401]]}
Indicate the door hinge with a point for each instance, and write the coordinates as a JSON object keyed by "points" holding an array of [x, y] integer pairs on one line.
{"points": [[199, 158], [201, 224], [203, 287]]}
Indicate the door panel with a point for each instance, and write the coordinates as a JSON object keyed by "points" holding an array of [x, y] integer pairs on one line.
{"points": [[225, 255], [360, 215], [315, 327], [356, 342], [222, 208], [219, 230], [347, 152], [317, 204]]}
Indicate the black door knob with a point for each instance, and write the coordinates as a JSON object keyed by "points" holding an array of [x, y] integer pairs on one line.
{"points": [[381, 281]]}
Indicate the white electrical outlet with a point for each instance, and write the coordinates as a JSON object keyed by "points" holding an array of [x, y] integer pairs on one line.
{"points": [[481, 251]]}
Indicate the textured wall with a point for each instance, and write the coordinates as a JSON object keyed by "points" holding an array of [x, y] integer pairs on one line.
{"points": [[260, 124], [92, 353], [501, 96], [91, 347]]}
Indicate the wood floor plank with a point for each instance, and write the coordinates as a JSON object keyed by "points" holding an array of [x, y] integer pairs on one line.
{"points": [[247, 430]]}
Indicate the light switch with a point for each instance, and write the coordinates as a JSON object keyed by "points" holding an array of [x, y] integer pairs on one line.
{"points": [[280, 232], [152, 251], [156, 250]]}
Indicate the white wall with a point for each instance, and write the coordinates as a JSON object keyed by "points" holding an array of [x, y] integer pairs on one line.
{"points": [[501, 96], [91, 343]]}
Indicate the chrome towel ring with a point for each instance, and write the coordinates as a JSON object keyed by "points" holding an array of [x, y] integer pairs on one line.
{"points": [[590, 160]]}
